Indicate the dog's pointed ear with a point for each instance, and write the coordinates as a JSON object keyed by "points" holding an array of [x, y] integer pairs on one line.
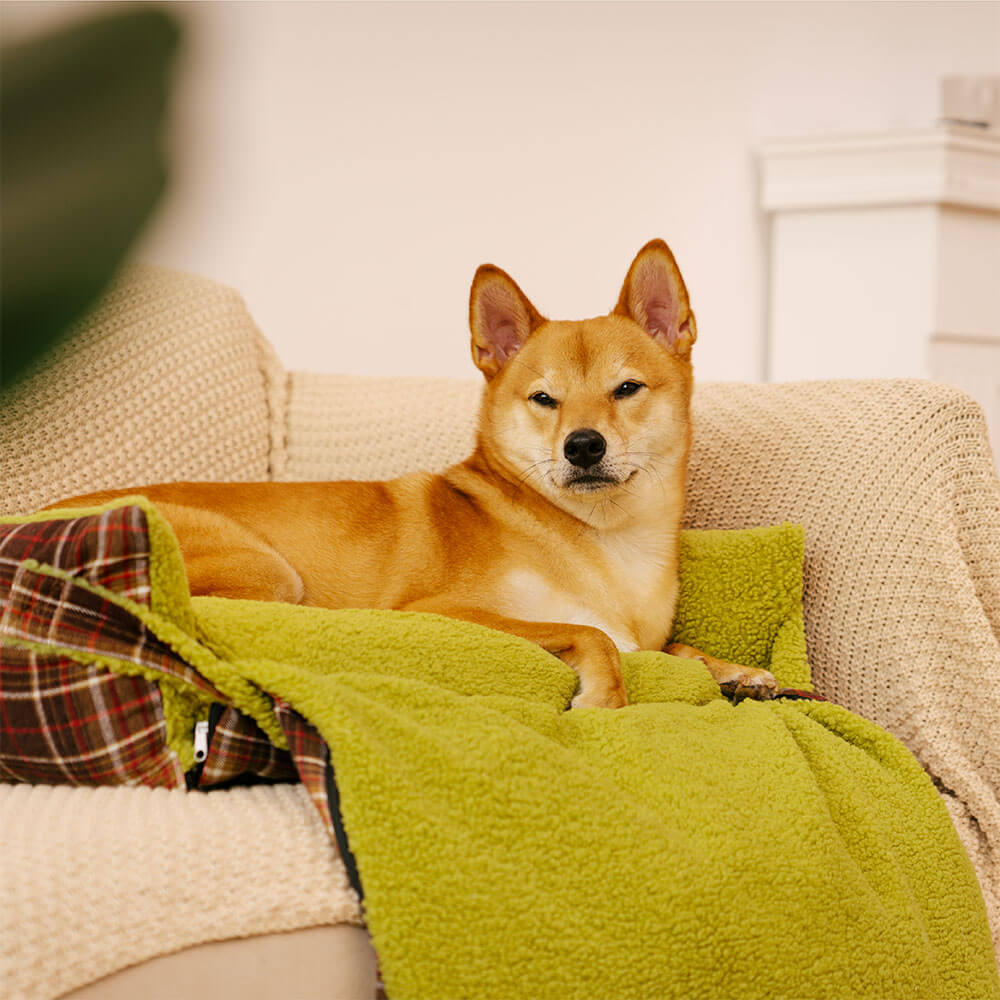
{"points": [[500, 319], [654, 295]]}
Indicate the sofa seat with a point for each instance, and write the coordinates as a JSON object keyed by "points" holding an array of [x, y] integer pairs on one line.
{"points": [[99, 879]]}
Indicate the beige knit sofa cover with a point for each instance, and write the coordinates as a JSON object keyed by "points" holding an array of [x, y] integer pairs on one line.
{"points": [[170, 379]]}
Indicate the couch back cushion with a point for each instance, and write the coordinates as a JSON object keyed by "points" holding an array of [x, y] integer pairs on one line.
{"points": [[167, 379], [368, 427]]}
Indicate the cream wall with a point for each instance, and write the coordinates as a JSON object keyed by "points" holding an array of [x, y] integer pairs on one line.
{"points": [[347, 166]]}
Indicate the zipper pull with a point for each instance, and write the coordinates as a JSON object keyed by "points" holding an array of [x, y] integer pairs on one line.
{"points": [[200, 741]]}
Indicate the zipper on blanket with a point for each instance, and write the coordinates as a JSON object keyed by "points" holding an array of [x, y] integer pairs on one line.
{"points": [[200, 741], [203, 731]]}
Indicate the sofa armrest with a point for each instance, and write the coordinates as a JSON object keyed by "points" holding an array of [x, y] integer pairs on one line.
{"points": [[895, 485], [167, 379]]}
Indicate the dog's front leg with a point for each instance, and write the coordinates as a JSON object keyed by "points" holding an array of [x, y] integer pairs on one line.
{"points": [[735, 680], [589, 651]]}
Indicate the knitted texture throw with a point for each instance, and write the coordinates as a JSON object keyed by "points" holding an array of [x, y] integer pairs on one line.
{"points": [[169, 379]]}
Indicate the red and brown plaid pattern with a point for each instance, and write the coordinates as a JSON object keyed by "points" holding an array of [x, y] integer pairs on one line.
{"points": [[110, 549], [311, 755], [62, 722], [239, 747], [62, 719], [59, 613], [43, 608]]}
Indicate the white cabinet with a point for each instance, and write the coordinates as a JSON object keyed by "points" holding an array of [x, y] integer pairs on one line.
{"points": [[884, 258]]}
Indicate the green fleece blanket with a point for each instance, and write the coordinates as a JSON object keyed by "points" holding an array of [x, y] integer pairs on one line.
{"points": [[681, 847]]}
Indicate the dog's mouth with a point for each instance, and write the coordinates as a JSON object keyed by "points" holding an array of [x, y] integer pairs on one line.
{"points": [[590, 482]]}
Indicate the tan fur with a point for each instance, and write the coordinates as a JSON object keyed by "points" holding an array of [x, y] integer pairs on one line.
{"points": [[583, 569]]}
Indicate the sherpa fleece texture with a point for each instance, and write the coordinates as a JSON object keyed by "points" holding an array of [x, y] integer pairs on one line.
{"points": [[680, 847], [741, 598]]}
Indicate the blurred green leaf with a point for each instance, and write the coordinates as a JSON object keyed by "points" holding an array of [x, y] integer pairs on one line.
{"points": [[82, 168]]}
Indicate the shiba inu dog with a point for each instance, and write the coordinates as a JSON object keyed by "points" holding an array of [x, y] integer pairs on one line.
{"points": [[561, 527]]}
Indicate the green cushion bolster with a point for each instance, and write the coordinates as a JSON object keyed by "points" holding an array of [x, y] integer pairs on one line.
{"points": [[741, 598]]}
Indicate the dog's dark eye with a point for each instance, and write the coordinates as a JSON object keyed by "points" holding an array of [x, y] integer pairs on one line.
{"points": [[542, 399], [629, 388]]}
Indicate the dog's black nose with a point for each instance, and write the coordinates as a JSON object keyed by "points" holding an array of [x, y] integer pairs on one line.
{"points": [[585, 448]]}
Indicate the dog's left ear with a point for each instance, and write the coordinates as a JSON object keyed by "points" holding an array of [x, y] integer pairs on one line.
{"points": [[655, 296], [500, 319]]}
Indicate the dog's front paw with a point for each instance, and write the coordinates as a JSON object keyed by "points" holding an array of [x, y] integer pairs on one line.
{"points": [[749, 682], [734, 680], [610, 697], [595, 658]]}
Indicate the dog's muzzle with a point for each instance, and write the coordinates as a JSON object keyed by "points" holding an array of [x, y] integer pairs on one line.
{"points": [[589, 469]]}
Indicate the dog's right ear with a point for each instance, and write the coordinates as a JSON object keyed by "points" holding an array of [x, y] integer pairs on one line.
{"points": [[500, 319]]}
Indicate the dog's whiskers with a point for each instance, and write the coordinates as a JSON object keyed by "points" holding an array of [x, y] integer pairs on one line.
{"points": [[535, 469], [615, 503], [649, 466]]}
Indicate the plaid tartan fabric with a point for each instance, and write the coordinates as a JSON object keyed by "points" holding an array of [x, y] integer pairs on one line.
{"points": [[311, 756], [794, 694], [67, 721], [109, 549], [239, 748], [62, 722], [52, 611], [62, 719]]}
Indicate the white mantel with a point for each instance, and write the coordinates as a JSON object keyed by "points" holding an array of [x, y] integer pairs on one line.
{"points": [[884, 258], [951, 165]]}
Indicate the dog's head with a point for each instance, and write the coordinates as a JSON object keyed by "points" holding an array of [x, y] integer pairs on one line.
{"points": [[594, 415]]}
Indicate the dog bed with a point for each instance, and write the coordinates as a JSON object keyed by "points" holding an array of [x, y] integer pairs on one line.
{"points": [[504, 846]]}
